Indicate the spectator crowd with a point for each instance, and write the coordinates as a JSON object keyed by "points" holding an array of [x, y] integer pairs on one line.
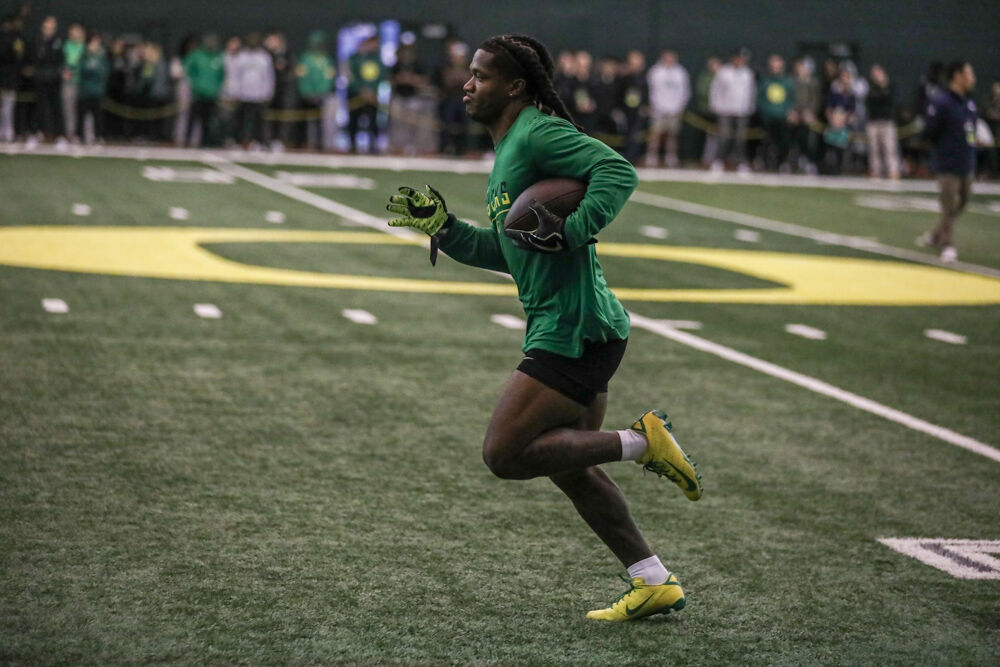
{"points": [[79, 85]]}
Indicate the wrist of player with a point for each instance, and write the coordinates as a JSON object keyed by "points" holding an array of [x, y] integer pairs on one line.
{"points": [[548, 237]]}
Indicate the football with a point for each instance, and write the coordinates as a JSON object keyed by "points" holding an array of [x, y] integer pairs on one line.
{"points": [[559, 195]]}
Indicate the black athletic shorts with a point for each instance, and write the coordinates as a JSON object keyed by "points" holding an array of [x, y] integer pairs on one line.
{"points": [[580, 379]]}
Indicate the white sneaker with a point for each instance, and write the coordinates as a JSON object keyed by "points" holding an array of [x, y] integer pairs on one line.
{"points": [[949, 254], [925, 240], [717, 167]]}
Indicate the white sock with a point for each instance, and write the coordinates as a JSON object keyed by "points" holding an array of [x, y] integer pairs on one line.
{"points": [[633, 444], [651, 570]]}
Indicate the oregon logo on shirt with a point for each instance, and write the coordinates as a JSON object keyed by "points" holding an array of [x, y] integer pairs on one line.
{"points": [[369, 70], [776, 93], [497, 201]]}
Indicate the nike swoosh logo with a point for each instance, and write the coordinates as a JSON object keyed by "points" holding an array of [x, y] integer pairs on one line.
{"points": [[629, 611], [691, 485]]}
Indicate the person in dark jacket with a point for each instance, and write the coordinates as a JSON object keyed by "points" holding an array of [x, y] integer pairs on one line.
{"points": [[285, 84], [47, 63], [883, 143], [950, 127], [11, 60]]}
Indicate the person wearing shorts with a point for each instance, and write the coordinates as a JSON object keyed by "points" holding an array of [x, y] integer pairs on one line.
{"points": [[548, 419]]}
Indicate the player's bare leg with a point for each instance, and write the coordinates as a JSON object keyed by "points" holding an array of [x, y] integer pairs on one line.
{"points": [[533, 433], [599, 501], [569, 448], [536, 430]]}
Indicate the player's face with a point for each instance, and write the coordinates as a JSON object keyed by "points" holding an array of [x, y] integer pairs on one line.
{"points": [[488, 91]]}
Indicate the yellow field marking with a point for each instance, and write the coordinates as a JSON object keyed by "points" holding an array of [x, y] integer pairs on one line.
{"points": [[177, 253]]}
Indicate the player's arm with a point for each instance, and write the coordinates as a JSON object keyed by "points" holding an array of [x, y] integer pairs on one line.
{"points": [[462, 242], [560, 149]]}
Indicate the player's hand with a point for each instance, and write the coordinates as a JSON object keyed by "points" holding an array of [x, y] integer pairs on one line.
{"points": [[425, 211], [421, 210], [546, 237]]}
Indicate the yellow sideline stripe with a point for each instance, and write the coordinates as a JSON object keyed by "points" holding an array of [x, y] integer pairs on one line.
{"points": [[177, 253]]}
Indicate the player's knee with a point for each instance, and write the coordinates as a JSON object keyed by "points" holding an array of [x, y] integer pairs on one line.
{"points": [[500, 461]]}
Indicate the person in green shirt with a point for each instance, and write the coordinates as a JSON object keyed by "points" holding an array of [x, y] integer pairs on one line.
{"points": [[94, 72], [365, 73], [205, 72], [548, 419], [776, 103], [316, 74]]}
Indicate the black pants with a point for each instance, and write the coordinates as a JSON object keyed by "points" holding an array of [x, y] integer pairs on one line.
{"points": [[776, 145], [92, 106], [205, 112], [250, 123], [48, 108], [370, 112]]}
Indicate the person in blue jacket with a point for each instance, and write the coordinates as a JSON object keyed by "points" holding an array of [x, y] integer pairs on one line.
{"points": [[950, 126]]}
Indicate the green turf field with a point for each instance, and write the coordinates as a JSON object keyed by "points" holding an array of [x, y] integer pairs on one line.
{"points": [[283, 485]]}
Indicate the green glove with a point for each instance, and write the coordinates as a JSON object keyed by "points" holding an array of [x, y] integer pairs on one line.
{"points": [[423, 211]]}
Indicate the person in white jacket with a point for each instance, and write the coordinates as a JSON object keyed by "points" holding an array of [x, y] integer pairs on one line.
{"points": [[732, 98], [669, 92], [254, 88]]}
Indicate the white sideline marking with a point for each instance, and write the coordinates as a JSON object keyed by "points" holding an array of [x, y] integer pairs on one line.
{"points": [[801, 231], [682, 324], [946, 336], [359, 316], [508, 321], [55, 306], [962, 559], [178, 213], [306, 197], [351, 215], [925, 204], [81, 209], [747, 236], [818, 386], [171, 175], [483, 166], [654, 232], [275, 217], [805, 331], [325, 180], [207, 310]]}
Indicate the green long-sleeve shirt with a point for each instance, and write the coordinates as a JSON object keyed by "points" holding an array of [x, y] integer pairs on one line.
{"points": [[565, 297]]}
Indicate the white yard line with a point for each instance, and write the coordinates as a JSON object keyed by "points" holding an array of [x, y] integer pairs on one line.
{"points": [[508, 321], [306, 197], [805, 331], [655, 326], [55, 306], [318, 201], [946, 336], [208, 311], [818, 386], [855, 242], [179, 213], [359, 316]]}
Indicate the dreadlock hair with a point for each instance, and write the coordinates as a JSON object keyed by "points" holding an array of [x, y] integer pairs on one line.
{"points": [[520, 56]]}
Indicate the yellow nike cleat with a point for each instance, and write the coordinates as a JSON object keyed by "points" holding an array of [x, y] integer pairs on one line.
{"points": [[664, 456], [641, 600]]}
